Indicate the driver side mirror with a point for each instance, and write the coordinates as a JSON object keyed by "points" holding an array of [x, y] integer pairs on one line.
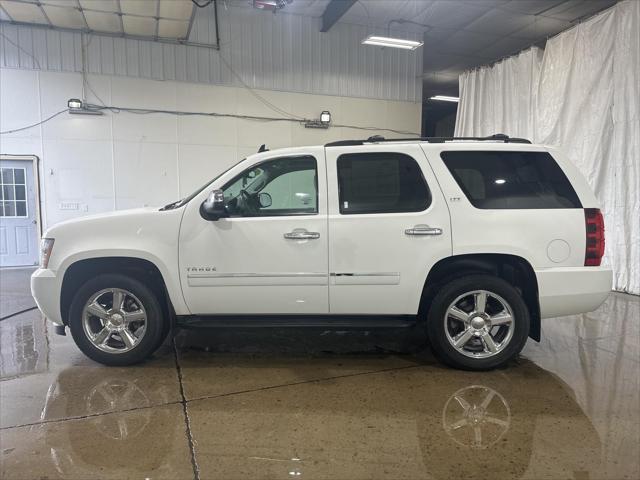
{"points": [[265, 200], [213, 207]]}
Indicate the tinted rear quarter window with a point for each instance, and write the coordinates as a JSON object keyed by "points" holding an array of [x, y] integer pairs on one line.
{"points": [[381, 183], [511, 180]]}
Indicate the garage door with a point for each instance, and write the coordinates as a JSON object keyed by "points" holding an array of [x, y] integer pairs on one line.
{"points": [[18, 227]]}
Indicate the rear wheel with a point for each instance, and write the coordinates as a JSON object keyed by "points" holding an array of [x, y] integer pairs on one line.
{"points": [[116, 320], [477, 322]]}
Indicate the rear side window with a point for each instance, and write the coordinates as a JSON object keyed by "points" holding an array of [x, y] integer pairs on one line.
{"points": [[381, 183], [511, 180]]}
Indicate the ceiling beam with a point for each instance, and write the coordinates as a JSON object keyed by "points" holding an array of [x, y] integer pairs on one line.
{"points": [[6, 14], [334, 11], [45, 14], [119, 13]]}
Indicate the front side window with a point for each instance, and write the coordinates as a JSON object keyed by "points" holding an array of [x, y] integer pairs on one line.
{"points": [[381, 183], [279, 187], [511, 180]]}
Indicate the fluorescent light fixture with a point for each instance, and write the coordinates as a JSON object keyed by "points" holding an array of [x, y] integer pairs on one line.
{"points": [[74, 103], [391, 42], [270, 5], [325, 117], [445, 98]]}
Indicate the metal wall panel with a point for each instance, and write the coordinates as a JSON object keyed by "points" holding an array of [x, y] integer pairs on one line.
{"points": [[272, 52]]}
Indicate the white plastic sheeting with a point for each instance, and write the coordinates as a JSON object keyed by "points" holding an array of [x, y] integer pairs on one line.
{"points": [[582, 94], [625, 149], [500, 98]]}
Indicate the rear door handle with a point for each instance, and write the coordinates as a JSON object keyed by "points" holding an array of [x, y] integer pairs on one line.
{"points": [[301, 234], [423, 230]]}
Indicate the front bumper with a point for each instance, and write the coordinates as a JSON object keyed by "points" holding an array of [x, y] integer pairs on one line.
{"points": [[569, 291], [45, 288]]}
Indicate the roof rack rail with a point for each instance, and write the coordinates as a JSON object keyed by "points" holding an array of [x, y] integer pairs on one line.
{"points": [[500, 137]]}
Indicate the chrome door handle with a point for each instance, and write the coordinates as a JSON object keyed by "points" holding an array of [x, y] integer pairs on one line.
{"points": [[301, 234], [423, 230]]}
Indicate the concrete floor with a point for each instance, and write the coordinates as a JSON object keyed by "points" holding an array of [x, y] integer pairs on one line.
{"points": [[316, 404]]}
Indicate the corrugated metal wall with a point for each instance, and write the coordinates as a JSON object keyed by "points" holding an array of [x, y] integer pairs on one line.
{"points": [[274, 52]]}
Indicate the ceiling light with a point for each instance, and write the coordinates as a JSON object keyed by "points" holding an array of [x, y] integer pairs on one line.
{"points": [[445, 98], [391, 42], [270, 5], [500, 181]]}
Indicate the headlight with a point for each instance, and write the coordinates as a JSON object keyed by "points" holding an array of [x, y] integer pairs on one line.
{"points": [[45, 251]]}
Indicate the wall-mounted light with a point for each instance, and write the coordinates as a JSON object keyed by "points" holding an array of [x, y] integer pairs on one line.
{"points": [[325, 117], [77, 106], [74, 103], [445, 98], [391, 42], [323, 122]]}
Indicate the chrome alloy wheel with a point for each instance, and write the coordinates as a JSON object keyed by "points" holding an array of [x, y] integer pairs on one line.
{"points": [[114, 320], [479, 324]]}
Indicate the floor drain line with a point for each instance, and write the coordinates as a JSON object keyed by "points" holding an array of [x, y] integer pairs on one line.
{"points": [[187, 420]]}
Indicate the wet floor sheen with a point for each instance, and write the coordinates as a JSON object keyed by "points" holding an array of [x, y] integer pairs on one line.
{"points": [[318, 404]]}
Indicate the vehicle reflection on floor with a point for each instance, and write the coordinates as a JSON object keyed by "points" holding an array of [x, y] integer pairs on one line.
{"points": [[324, 405], [400, 423], [476, 416]]}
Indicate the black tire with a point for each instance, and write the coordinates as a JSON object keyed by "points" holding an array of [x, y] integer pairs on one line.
{"points": [[441, 346], [156, 328]]}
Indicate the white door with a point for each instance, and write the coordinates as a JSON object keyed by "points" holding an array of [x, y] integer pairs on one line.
{"points": [[18, 226], [270, 255], [388, 225]]}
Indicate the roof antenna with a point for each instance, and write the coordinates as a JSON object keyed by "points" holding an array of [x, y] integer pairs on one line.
{"points": [[263, 148]]}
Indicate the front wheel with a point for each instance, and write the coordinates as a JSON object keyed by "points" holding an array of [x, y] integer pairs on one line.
{"points": [[116, 320], [477, 322]]}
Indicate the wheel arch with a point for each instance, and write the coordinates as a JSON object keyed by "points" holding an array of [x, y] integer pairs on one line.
{"points": [[512, 268], [141, 269]]}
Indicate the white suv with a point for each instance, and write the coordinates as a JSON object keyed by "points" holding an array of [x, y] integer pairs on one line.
{"points": [[474, 240]]}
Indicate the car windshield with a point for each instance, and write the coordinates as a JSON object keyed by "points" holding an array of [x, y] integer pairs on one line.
{"points": [[187, 199]]}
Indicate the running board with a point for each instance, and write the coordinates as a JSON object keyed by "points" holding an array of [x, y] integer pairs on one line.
{"points": [[296, 321]]}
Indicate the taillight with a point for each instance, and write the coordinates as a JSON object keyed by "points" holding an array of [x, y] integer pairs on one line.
{"points": [[594, 224]]}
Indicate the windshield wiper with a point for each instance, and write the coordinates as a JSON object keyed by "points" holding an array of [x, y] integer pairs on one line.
{"points": [[171, 206]]}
